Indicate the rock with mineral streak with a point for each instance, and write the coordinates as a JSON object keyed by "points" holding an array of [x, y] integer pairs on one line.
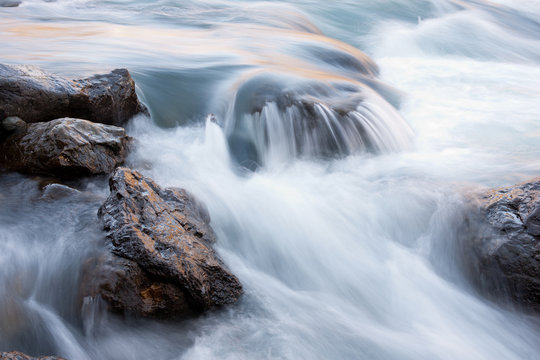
{"points": [[502, 245], [38, 96], [65, 147], [163, 262]]}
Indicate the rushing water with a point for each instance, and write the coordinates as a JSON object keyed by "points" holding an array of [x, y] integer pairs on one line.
{"points": [[336, 209]]}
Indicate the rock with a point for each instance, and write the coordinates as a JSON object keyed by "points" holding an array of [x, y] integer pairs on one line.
{"points": [[58, 191], [10, 3], [37, 96], [3, 133], [163, 238], [502, 245], [65, 147], [15, 355], [13, 123], [271, 117], [126, 287]]}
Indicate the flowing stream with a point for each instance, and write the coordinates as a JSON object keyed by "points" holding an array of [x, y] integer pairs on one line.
{"points": [[332, 142]]}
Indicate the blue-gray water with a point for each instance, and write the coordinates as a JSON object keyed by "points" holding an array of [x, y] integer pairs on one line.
{"points": [[341, 258]]}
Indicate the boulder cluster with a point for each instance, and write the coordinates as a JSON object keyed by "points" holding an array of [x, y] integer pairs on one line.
{"points": [[161, 263]]}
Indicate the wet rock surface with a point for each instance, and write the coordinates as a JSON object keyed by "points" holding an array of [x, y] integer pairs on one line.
{"points": [[502, 250], [38, 96], [13, 123], [10, 3], [163, 262], [15, 355], [65, 147], [10, 125], [126, 287]]}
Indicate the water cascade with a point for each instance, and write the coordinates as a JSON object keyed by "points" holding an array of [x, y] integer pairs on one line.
{"points": [[333, 144]]}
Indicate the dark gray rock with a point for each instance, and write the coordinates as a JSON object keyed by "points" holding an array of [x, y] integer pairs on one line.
{"points": [[37, 96], [164, 263], [127, 288], [15, 355], [10, 3], [13, 123], [501, 247], [65, 147]]}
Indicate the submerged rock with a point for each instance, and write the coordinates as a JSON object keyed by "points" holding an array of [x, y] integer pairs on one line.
{"points": [[10, 3], [276, 118], [13, 123], [65, 147], [15, 355], [163, 262], [37, 96], [502, 246], [9, 125]]}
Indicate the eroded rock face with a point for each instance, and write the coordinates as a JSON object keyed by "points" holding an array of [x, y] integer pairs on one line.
{"points": [[503, 250], [15, 355], [65, 147], [37, 96], [163, 260]]}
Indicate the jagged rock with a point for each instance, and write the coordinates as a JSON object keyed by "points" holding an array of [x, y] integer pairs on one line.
{"points": [[163, 260], [15, 355], [65, 147], [37, 96], [502, 244]]}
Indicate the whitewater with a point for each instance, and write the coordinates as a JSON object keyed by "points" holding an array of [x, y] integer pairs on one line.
{"points": [[342, 234]]}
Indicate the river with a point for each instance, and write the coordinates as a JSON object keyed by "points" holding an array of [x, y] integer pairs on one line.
{"points": [[342, 233]]}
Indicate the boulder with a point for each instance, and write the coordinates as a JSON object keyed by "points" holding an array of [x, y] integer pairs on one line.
{"points": [[15, 355], [65, 147], [37, 96], [163, 262], [502, 244]]}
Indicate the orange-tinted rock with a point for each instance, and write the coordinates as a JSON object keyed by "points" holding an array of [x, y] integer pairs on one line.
{"points": [[65, 147], [165, 233]]}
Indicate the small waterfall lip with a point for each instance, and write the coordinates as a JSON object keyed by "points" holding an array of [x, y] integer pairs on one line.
{"points": [[273, 118]]}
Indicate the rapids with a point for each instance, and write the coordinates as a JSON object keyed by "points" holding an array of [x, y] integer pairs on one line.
{"points": [[341, 140]]}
